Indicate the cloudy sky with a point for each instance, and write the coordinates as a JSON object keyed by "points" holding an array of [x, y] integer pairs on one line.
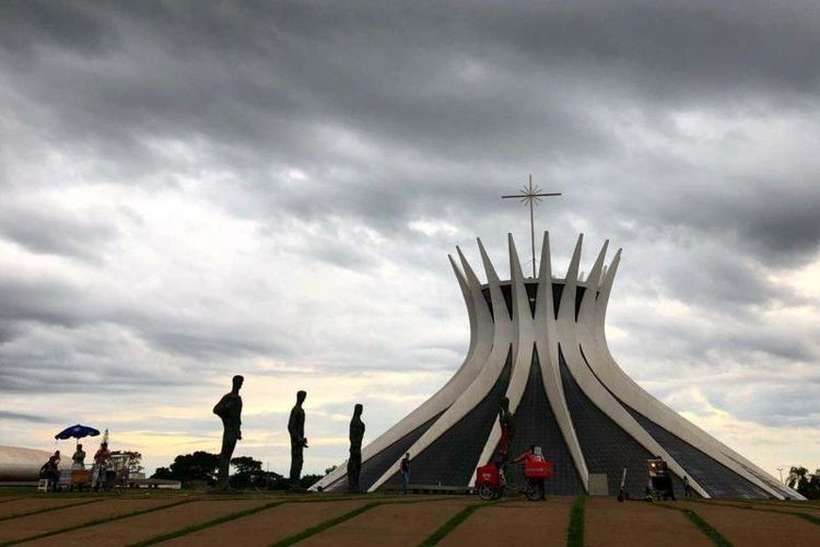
{"points": [[191, 190]]}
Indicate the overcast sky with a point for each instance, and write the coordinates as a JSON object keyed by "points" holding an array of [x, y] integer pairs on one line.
{"points": [[190, 190]]}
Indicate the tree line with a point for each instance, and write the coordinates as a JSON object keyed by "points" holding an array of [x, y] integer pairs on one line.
{"points": [[200, 468], [805, 483]]}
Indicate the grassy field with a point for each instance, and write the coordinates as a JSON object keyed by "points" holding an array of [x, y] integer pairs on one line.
{"points": [[167, 517]]}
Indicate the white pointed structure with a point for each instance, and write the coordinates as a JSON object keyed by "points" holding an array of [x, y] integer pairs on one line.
{"points": [[541, 343]]}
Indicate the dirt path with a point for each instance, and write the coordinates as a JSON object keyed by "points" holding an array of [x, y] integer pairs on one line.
{"points": [[744, 527], [392, 525], [611, 524], [268, 526], [26, 505], [131, 530], [515, 523], [63, 518]]}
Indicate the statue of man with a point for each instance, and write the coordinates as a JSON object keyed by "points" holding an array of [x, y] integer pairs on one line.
{"points": [[298, 442], [354, 463], [505, 420], [229, 408]]}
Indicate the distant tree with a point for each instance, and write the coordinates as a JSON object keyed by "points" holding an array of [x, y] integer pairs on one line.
{"points": [[275, 481], [309, 480], [134, 461], [162, 473], [248, 473], [199, 466], [246, 464], [806, 484], [797, 476]]}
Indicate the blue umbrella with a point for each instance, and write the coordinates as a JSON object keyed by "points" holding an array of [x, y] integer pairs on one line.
{"points": [[77, 431]]}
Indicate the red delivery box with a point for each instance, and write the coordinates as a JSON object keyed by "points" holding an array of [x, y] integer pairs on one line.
{"points": [[487, 475], [537, 468]]}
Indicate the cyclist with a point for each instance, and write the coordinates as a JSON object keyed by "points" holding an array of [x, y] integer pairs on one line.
{"points": [[534, 471]]}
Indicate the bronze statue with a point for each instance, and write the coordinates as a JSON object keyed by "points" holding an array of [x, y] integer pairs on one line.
{"points": [[229, 408], [505, 420], [298, 442], [354, 463]]}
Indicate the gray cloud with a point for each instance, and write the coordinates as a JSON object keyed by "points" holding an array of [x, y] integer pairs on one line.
{"points": [[16, 416]]}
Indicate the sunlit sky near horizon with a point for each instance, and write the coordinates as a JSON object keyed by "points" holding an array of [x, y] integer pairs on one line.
{"points": [[193, 190]]}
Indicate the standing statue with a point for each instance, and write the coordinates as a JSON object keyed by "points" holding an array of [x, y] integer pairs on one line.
{"points": [[298, 442], [354, 464], [505, 420], [229, 408]]}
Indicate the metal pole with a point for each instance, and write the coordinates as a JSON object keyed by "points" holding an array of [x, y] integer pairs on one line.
{"points": [[532, 231]]}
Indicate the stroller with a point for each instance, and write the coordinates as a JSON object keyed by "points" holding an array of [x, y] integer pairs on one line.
{"points": [[660, 481]]}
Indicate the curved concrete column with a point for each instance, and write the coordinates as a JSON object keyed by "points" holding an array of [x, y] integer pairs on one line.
{"points": [[497, 334], [592, 332], [523, 342], [546, 341], [592, 388], [481, 329], [503, 338]]}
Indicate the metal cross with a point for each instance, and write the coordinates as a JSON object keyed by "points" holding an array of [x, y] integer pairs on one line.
{"points": [[531, 196]]}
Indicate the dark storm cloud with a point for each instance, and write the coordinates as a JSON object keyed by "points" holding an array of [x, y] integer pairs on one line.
{"points": [[329, 120], [486, 85], [404, 99]]}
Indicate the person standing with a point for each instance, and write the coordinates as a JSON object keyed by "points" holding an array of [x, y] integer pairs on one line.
{"points": [[533, 461], [687, 490], [405, 473], [101, 461], [298, 442], [229, 409], [51, 472], [354, 463], [78, 459]]}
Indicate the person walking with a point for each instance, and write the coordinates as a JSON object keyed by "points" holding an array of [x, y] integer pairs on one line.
{"points": [[687, 490], [405, 473]]}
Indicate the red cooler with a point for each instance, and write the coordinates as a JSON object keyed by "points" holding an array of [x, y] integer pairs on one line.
{"points": [[537, 468]]}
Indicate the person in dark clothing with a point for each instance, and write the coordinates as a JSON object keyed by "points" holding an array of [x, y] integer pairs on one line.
{"points": [[298, 442], [354, 463], [51, 472], [404, 467], [229, 409], [687, 490]]}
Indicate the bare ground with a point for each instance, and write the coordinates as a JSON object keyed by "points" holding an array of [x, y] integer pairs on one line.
{"points": [[612, 524], [393, 525], [515, 523], [71, 516], [267, 526], [744, 527], [607, 523], [27, 505], [142, 527]]}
